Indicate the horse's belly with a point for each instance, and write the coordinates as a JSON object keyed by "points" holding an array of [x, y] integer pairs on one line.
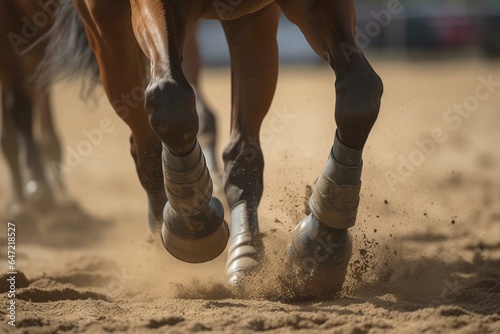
{"points": [[232, 9]]}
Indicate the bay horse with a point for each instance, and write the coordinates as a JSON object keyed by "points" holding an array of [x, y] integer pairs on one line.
{"points": [[26, 75], [133, 38]]}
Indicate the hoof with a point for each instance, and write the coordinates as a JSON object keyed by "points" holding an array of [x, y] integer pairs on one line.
{"points": [[318, 257], [245, 247], [195, 239]]}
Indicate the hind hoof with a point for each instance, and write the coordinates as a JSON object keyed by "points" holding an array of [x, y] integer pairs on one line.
{"points": [[195, 239], [245, 247], [244, 253], [318, 257]]}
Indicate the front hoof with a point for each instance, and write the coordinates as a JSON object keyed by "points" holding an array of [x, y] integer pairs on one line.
{"points": [[195, 239], [318, 257]]}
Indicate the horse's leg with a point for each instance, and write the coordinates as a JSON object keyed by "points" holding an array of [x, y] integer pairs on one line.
{"points": [[193, 224], [207, 134], [321, 245], [254, 72], [10, 148], [49, 140], [9, 65], [121, 61], [17, 109]]}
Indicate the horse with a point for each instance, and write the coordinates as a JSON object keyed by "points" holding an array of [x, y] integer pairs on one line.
{"points": [[26, 155], [26, 100], [138, 39]]}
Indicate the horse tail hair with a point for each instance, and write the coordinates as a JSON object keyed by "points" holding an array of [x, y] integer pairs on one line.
{"points": [[68, 54]]}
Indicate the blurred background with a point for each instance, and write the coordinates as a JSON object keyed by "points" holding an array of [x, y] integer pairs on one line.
{"points": [[403, 27]]}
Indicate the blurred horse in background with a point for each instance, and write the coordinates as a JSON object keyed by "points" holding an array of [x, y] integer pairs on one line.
{"points": [[23, 101], [140, 43], [29, 138]]}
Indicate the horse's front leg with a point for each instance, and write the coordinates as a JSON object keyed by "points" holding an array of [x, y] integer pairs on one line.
{"points": [[321, 246], [122, 71], [254, 67], [193, 220]]}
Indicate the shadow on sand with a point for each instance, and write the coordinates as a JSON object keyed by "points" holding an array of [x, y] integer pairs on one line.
{"points": [[66, 225]]}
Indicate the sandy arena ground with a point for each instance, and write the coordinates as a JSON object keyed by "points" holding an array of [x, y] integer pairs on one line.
{"points": [[427, 241]]}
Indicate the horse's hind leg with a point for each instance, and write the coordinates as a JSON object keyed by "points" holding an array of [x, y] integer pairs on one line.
{"points": [[254, 72], [207, 134], [122, 71], [321, 245]]}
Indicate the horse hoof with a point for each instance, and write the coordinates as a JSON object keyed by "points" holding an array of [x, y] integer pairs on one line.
{"points": [[245, 247], [318, 257], [244, 252], [195, 239]]}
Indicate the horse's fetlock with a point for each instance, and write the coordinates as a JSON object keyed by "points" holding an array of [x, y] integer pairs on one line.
{"points": [[172, 115]]}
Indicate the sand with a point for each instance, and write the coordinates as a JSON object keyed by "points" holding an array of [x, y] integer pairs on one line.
{"points": [[427, 240]]}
